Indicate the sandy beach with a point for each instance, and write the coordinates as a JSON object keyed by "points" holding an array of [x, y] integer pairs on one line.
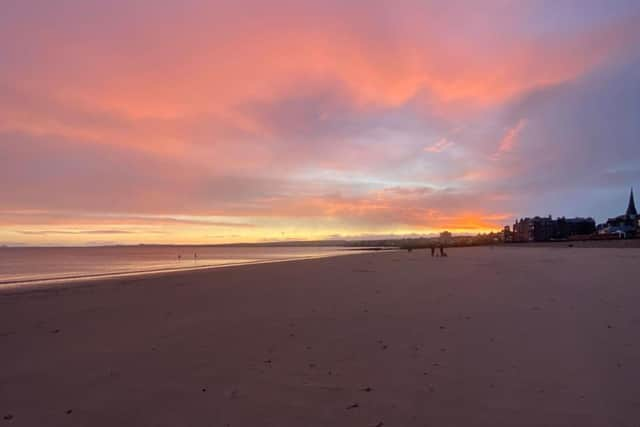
{"points": [[526, 336]]}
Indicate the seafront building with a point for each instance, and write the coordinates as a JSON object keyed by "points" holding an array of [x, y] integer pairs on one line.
{"points": [[541, 229], [623, 226]]}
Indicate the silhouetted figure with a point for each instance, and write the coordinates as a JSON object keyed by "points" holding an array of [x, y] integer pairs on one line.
{"points": [[433, 251], [442, 253], [179, 257]]}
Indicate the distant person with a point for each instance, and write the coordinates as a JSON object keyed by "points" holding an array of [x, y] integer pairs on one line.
{"points": [[442, 252], [433, 251], [179, 257], [195, 257]]}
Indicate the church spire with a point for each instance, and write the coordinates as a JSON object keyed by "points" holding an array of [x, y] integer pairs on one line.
{"points": [[631, 209]]}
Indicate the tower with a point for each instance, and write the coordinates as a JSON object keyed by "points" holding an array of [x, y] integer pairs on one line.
{"points": [[631, 209]]}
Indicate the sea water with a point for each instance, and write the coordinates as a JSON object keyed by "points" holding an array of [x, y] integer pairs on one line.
{"points": [[28, 265]]}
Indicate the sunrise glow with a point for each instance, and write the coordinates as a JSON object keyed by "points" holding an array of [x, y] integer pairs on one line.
{"points": [[247, 121]]}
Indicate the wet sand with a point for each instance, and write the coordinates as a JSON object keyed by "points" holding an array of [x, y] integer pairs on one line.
{"points": [[486, 337]]}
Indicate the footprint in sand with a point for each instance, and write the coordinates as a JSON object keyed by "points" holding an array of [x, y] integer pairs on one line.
{"points": [[8, 417]]}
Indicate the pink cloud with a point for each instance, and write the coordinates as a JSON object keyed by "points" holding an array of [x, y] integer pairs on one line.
{"points": [[439, 146], [510, 138], [234, 108]]}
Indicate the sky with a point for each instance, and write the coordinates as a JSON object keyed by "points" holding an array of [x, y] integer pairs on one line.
{"points": [[166, 121]]}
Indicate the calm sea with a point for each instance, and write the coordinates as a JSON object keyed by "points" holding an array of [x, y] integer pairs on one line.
{"points": [[33, 265]]}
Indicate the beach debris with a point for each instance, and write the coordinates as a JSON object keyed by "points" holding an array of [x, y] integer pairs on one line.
{"points": [[8, 417], [367, 389], [619, 365], [292, 335], [443, 327], [353, 406], [380, 424], [312, 365], [204, 390], [68, 411], [609, 327], [384, 347], [55, 331]]}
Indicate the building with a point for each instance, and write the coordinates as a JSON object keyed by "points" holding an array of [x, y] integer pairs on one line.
{"points": [[541, 229], [507, 235], [569, 227], [624, 226]]}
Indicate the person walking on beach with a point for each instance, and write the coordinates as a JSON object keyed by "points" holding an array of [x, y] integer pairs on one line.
{"points": [[433, 251], [442, 252]]}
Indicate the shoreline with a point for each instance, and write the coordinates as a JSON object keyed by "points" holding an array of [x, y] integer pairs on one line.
{"points": [[30, 285]]}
